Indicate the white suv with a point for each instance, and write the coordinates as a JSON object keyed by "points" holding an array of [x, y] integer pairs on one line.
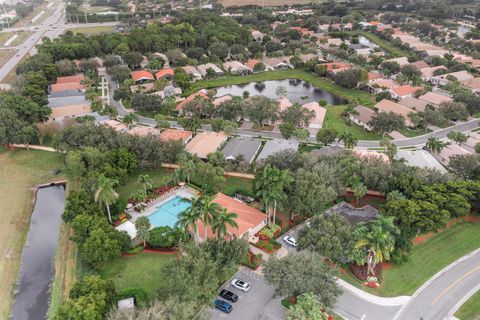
{"points": [[240, 285]]}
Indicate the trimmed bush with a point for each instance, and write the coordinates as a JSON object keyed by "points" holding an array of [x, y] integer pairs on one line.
{"points": [[269, 232], [138, 294]]}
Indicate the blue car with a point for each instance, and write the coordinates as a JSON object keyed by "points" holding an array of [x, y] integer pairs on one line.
{"points": [[223, 306]]}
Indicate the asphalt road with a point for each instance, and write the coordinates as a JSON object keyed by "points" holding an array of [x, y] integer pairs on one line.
{"points": [[441, 296]]}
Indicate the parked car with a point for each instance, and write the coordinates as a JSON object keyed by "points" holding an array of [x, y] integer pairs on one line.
{"points": [[223, 306], [240, 285], [290, 240], [228, 295], [243, 198]]}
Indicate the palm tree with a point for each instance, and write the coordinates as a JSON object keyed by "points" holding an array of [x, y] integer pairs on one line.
{"points": [[146, 182], [374, 242], [349, 140], [457, 137], [208, 210], [188, 219], [435, 145], [269, 186], [221, 220], [350, 111], [105, 192], [129, 119]]}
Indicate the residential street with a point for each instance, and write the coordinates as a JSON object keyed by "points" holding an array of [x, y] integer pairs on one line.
{"points": [[442, 295]]}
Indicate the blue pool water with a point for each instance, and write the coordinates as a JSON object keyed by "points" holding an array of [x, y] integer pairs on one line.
{"points": [[167, 213]]}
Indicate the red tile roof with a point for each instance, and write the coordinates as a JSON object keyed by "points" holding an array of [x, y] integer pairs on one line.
{"points": [[164, 72], [405, 90], [248, 217], [336, 65], [56, 87], [251, 63], [141, 75], [191, 97], [175, 135]]}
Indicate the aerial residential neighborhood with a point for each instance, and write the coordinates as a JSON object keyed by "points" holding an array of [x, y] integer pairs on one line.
{"points": [[242, 160]]}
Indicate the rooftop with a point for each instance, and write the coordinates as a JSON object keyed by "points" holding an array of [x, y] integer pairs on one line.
{"points": [[247, 147], [205, 142], [352, 214], [70, 79], [276, 145], [434, 98], [175, 135]]}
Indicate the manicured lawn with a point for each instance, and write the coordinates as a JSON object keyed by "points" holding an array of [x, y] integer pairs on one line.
{"points": [[358, 96], [471, 309], [237, 184], [426, 259], [142, 270], [93, 30], [20, 170], [410, 133], [159, 177], [335, 120], [162, 176]]}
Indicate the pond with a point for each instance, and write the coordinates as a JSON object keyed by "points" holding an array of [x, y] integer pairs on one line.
{"points": [[32, 293], [297, 91]]}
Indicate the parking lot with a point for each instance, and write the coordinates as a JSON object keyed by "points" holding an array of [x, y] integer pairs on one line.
{"points": [[257, 303]]}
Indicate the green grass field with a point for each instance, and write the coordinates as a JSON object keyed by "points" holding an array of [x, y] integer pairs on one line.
{"points": [[426, 259], [335, 120], [20, 170], [159, 177], [358, 96], [142, 270], [93, 30], [471, 309]]}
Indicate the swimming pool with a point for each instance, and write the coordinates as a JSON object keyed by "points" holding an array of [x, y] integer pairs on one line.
{"points": [[167, 213]]}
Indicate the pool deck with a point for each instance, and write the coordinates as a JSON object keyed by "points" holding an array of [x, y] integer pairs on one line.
{"points": [[182, 192]]}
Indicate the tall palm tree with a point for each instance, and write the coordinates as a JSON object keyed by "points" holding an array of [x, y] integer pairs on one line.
{"points": [[105, 192], [145, 181], [269, 185], [221, 220], [208, 210], [374, 242], [435, 145], [188, 219]]}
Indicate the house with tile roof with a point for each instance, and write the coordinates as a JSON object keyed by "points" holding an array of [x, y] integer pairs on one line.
{"points": [[434, 99], [70, 79], [277, 145], [204, 67], [192, 72], [206, 142], [460, 76], [199, 94], [319, 112], [363, 117], [404, 91], [249, 220], [414, 103], [166, 73], [142, 131], [176, 135], [141, 76], [428, 73], [58, 87], [236, 67], [390, 106], [275, 63]]}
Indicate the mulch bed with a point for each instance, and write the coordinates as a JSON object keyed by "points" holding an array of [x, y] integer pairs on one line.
{"points": [[424, 237]]}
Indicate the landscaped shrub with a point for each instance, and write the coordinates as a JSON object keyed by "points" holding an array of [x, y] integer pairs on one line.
{"points": [[138, 294], [165, 237], [136, 250], [269, 232]]}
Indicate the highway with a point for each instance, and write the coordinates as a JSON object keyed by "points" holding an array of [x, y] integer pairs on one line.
{"points": [[56, 18]]}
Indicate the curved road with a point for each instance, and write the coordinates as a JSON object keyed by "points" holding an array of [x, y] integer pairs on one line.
{"points": [[437, 299]]}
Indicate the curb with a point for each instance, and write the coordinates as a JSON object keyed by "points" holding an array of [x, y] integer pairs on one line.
{"points": [[462, 301], [436, 276], [390, 302]]}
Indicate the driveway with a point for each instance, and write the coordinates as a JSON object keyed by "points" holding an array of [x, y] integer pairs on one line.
{"points": [[292, 233], [258, 303]]}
